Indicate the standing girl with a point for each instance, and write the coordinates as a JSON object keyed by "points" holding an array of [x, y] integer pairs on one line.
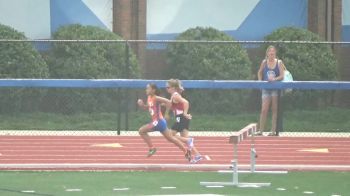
{"points": [[158, 123], [271, 69]]}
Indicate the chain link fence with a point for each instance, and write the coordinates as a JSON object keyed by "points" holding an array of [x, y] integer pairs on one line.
{"points": [[213, 110]]}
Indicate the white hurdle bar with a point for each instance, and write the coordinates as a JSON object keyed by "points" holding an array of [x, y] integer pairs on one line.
{"points": [[253, 154], [235, 139]]}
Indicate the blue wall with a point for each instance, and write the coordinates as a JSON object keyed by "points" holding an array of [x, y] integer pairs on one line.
{"points": [[64, 12]]}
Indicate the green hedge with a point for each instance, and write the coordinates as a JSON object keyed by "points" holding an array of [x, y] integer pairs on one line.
{"points": [[20, 60], [88, 61], [193, 61], [306, 62]]}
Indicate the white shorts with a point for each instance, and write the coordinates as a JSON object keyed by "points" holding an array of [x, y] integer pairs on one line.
{"points": [[266, 93]]}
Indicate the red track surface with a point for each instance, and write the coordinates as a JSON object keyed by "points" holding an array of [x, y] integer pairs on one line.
{"points": [[79, 150]]}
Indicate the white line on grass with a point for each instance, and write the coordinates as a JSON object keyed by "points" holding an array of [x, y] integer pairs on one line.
{"points": [[215, 186], [121, 189], [281, 189], [188, 195], [308, 192], [249, 186], [28, 191], [73, 190], [168, 187]]}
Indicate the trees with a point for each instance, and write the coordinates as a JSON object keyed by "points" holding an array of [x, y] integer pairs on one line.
{"points": [[201, 61]]}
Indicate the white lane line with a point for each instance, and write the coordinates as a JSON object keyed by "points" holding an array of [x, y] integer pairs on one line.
{"points": [[335, 195], [168, 187], [308, 192], [215, 186], [189, 195], [121, 189], [249, 186], [43, 166], [28, 191], [73, 190], [207, 157], [281, 189]]}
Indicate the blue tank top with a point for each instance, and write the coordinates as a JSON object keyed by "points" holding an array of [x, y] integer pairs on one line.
{"points": [[275, 72]]}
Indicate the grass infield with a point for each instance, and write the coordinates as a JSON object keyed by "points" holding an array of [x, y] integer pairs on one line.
{"points": [[13, 183]]}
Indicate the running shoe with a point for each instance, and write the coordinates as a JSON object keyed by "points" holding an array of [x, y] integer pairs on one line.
{"points": [[272, 134], [196, 159], [258, 133], [188, 155], [190, 143], [151, 152]]}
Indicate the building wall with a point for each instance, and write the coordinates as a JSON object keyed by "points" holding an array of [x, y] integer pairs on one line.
{"points": [[29, 16], [86, 12], [346, 20], [38, 19], [165, 19], [244, 20]]}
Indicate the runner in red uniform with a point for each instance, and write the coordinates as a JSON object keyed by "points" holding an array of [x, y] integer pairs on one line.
{"points": [[158, 122], [180, 106]]}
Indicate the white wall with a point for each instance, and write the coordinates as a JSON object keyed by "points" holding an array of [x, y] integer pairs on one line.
{"points": [[175, 16], [346, 12], [103, 9], [29, 16]]}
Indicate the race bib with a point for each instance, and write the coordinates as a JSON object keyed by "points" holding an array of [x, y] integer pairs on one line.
{"points": [[155, 123], [151, 111]]}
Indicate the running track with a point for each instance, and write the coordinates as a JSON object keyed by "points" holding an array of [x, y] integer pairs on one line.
{"points": [[78, 153]]}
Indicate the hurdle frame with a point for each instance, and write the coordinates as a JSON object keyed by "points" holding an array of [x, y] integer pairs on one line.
{"points": [[235, 139], [253, 156]]}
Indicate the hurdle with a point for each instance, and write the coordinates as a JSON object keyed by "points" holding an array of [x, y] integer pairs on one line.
{"points": [[249, 130], [235, 139]]}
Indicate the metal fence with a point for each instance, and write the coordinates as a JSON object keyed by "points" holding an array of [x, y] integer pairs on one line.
{"points": [[213, 109]]}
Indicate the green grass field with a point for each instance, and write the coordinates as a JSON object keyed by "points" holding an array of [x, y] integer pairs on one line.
{"points": [[150, 183], [330, 119]]}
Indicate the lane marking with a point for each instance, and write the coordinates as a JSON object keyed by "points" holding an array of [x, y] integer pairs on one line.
{"points": [[168, 187], [249, 186], [335, 195], [73, 190], [28, 191], [317, 150], [44, 134], [281, 189], [166, 166], [215, 186], [110, 145], [121, 189], [308, 192], [189, 195], [207, 157]]}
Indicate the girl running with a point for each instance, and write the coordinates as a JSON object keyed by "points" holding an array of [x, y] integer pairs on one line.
{"points": [[158, 122], [180, 107]]}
